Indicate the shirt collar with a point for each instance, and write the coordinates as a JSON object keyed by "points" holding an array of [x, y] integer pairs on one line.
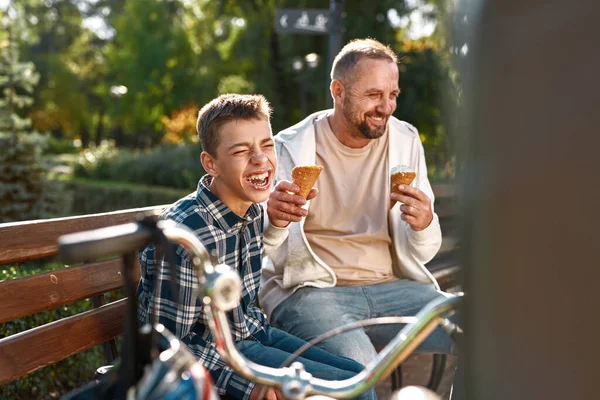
{"points": [[227, 219]]}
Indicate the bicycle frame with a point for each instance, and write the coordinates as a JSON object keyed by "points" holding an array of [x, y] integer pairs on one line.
{"points": [[220, 291]]}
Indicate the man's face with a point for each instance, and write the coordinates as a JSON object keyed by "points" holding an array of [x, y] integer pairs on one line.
{"points": [[370, 96], [245, 163]]}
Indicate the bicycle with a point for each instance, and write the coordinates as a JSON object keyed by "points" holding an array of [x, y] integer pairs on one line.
{"points": [[220, 291]]}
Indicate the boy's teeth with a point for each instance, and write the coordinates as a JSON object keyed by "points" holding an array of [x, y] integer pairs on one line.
{"points": [[259, 177]]}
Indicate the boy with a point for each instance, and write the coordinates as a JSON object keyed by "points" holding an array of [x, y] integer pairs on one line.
{"points": [[239, 158]]}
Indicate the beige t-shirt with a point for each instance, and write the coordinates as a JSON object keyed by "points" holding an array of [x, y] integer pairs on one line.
{"points": [[347, 224]]}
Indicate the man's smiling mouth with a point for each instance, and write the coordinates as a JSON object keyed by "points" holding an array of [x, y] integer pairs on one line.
{"points": [[377, 119]]}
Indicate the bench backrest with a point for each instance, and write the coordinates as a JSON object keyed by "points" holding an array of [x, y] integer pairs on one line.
{"points": [[27, 351]]}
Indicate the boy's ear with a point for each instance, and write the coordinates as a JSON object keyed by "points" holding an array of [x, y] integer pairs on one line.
{"points": [[209, 164]]}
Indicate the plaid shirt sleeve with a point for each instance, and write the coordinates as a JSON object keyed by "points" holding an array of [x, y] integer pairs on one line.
{"points": [[180, 315]]}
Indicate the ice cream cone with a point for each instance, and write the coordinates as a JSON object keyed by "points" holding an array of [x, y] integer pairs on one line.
{"points": [[401, 175], [305, 176]]}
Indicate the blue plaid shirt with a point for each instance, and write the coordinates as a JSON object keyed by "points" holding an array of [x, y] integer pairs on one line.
{"points": [[238, 243]]}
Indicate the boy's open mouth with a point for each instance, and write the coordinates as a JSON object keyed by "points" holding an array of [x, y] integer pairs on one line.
{"points": [[260, 181]]}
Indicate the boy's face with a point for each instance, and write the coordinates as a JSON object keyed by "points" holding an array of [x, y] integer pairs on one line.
{"points": [[243, 165]]}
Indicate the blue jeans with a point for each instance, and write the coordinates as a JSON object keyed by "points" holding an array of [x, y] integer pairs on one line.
{"points": [[310, 312], [273, 346]]}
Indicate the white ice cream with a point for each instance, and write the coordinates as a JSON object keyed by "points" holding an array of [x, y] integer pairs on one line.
{"points": [[401, 168]]}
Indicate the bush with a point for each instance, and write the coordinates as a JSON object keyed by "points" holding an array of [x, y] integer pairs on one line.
{"points": [[96, 196], [175, 166], [25, 193], [60, 146], [57, 379]]}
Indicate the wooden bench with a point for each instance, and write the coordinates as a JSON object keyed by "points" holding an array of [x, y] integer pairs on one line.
{"points": [[27, 351], [35, 348]]}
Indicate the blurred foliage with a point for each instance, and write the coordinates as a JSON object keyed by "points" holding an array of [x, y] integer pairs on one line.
{"points": [[442, 173], [152, 56], [25, 193], [181, 126], [175, 166], [57, 379], [17, 82], [235, 84], [101, 196], [22, 179], [174, 56], [59, 146], [428, 94]]}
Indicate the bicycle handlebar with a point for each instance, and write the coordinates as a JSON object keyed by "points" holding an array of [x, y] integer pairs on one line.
{"points": [[103, 242], [221, 289], [222, 284]]}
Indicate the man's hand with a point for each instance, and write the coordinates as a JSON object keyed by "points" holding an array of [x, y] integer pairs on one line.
{"points": [[285, 206], [416, 210], [269, 393]]}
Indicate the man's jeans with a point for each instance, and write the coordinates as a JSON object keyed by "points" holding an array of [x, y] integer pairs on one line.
{"points": [[312, 311], [272, 347]]}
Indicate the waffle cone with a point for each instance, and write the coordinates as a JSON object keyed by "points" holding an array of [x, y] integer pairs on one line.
{"points": [[401, 178], [305, 176]]}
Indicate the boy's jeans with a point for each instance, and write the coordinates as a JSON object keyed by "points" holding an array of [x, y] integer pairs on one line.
{"points": [[272, 347], [310, 312]]}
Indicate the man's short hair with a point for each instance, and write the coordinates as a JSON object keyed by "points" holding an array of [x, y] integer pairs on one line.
{"points": [[225, 108], [357, 49]]}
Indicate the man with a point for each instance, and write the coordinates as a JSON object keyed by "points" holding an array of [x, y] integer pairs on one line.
{"points": [[239, 157], [349, 252]]}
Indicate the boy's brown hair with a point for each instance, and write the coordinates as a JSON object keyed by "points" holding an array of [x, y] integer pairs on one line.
{"points": [[225, 108]]}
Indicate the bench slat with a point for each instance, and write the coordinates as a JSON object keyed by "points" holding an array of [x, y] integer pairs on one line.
{"points": [[31, 294], [22, 241], [38, 347]]}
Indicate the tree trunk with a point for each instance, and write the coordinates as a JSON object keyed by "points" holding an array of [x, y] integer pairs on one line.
{"points": [[99, 129], [85, 136], [117, 135]]}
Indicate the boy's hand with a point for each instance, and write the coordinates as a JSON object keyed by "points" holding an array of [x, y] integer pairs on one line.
{"points": [[416, 207], [285, 206], [269, 393]]}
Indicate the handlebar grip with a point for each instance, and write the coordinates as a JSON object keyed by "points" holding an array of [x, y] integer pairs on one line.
{"points": [[96, 243]]}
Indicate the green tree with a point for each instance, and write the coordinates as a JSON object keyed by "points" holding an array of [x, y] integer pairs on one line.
{"points": [[64, 103], [426, 75], [428, 97], [172, 55], [17, 80], [24, 192], [152, 57]]}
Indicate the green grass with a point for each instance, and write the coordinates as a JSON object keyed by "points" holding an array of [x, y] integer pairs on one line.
{"points": [[25, 269]]}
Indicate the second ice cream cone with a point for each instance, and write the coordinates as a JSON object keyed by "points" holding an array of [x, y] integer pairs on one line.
{"points": [[401, 175], [305, 176]]}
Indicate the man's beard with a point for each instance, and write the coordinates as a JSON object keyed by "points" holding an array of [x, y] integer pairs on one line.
{"points": [[362, 125]]}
